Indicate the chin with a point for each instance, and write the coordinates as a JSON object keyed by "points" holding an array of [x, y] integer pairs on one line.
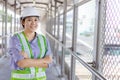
{"points": [[33, 30]]}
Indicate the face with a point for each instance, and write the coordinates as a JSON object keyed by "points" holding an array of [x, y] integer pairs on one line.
{"points": [[31, 23]]}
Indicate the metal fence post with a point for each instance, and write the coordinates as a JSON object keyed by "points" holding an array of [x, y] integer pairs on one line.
{"points": [[64, 38], [74, 39], [6, 25]]}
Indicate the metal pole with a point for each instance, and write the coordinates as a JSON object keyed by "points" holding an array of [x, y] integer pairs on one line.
{"points": [[11, 25], [55, 27], [17, 25], [55, 18], [64, 38], [52, 30], [3, 29], [49, 21], [51, 18], [6, 24], [2, 35], [19, 19], [96, 38], [97, 35], [74, 40], [15, 16], [20, 25], [58, 35]]}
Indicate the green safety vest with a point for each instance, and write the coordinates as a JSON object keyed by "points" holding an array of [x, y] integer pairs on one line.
{"points": [[31, 73]]}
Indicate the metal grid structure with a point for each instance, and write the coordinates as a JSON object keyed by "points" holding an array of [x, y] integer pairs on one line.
{"points": [[9, 24], [72, 70], [109, 48]]}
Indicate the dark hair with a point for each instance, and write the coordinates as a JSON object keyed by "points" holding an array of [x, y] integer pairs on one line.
{"points": [[21, 20]]}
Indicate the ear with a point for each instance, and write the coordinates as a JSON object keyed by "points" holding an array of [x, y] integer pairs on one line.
{"points": [[23, 22]]}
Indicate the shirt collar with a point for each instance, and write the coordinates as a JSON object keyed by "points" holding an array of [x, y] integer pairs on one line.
{"points": [[35, 38]]}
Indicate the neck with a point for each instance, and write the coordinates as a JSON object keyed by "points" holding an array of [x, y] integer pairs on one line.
{"points": [[29, 35]]}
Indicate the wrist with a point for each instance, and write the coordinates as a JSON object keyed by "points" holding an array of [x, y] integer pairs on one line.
{"points": [[42, 60]]}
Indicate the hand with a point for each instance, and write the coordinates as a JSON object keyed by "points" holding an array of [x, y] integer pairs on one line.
{"points": [[24, 54]]}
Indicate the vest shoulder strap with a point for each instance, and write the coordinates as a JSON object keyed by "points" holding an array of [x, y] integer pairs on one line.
{"points": [[43, 43]]}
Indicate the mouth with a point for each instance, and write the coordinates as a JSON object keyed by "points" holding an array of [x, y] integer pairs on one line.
{"points": [[33, 27]]}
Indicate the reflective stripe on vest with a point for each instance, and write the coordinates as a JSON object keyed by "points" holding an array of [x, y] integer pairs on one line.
{"points": [[29, 76], [23, 76], [24, 44], [34, 72], [43, 50], [40, 74]]}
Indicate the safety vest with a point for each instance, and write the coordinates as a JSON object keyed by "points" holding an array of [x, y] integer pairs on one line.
{"points": [[31, 73]]}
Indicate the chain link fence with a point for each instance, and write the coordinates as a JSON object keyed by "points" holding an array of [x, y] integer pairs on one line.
{"points": [[109, 49]]}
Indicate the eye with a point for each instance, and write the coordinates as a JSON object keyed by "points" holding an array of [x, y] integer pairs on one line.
{"points": [[36, 19], [29, 20]]}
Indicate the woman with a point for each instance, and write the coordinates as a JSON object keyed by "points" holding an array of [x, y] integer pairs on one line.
{"points": [[30, 52]]}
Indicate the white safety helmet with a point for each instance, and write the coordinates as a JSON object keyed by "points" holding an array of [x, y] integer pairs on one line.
{"points": [[29, 11]]}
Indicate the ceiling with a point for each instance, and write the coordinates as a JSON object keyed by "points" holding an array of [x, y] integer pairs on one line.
{"points": [[41, 5]]}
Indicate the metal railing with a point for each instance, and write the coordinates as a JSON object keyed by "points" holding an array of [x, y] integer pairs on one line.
{"points": [[6, 30], [86, 65], [3, 49], [8, 35]]}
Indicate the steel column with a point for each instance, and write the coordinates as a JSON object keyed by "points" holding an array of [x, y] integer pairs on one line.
{"points": [[5, 25], [64, 39], [15, 16], [3, 29], [74, 40], [55, 18], [51, 21], [11, 25], [96, 38], [55, 45], [58, 35]]}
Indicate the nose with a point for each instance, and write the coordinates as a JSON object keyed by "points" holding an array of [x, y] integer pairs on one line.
{"points": [[33, 22]]}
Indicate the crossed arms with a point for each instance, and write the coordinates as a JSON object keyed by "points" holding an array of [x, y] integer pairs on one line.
{"points": [[28, 62]]}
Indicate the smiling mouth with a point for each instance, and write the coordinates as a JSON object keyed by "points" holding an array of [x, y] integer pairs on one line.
{"points": [[34, 26]]}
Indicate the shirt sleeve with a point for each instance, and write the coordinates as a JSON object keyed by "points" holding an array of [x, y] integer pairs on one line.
{"points": [[49, 52], [48, 48], [14, 51]]}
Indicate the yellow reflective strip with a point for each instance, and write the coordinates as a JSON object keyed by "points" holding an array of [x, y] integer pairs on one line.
{"points": [[25, 44], [23, 76], [40, 74], [32, 69], [40, 70], [43, 46]]}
